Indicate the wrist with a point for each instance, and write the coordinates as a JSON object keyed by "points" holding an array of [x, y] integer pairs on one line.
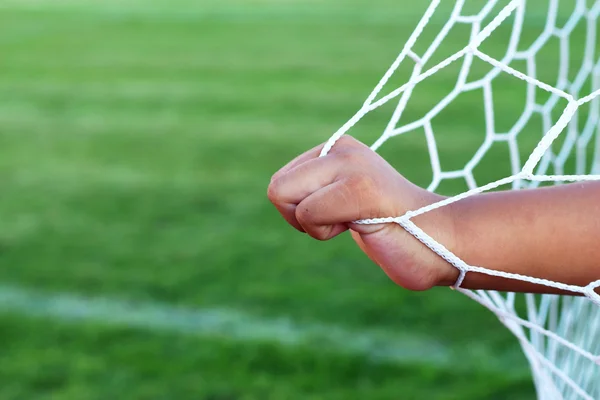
{"points": [[449, 274], [441, 225]]}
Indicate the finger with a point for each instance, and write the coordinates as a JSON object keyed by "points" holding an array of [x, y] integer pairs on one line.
{"points": [[311, 173], [302, 158], [343, 143], [287, 191], [288, 212], [303, 180], [326, 213]]}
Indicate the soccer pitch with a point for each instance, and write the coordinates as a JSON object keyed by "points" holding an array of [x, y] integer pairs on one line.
{"points": [[139, 256]]}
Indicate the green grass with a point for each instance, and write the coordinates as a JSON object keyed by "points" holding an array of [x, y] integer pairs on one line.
{"points": [[136, 144]]}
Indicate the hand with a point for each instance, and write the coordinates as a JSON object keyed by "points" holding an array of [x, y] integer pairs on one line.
{"points": [[322, 196]]}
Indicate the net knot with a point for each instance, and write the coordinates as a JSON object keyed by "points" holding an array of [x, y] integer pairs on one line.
{"points": [[590, 292], [461, 277]]}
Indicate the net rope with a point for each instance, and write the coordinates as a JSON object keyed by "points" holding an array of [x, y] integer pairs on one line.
{"points": [[558, 334]]}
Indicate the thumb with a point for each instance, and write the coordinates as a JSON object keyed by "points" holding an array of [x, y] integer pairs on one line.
{"points": [[333, 209]]}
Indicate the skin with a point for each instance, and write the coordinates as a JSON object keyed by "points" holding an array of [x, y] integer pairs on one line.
{"points": [[549, 233]]}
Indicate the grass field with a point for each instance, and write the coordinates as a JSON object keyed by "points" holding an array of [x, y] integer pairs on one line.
{"points": [[139, 256]]}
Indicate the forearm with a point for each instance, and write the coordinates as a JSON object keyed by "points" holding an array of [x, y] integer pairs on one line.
{"points": [[551, 233]]}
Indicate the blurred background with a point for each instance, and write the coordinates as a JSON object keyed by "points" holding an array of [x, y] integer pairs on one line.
{"points": [[139, 255]]}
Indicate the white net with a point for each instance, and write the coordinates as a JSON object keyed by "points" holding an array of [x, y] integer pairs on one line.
{"points": [[558, 334]]}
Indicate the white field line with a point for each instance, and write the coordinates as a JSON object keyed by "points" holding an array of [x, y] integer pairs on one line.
{"points": [[401, 348]]}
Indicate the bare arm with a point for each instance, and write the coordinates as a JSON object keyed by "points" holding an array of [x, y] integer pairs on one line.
{"points": [[550, 233]]}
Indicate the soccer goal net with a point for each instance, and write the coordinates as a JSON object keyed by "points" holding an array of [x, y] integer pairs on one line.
{"points": [[525, 79]]}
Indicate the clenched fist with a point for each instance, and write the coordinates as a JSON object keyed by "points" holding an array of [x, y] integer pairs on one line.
{"points": [[322, 196]]}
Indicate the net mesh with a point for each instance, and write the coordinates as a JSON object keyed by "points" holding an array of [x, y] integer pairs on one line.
{"points": [[558, 334]]}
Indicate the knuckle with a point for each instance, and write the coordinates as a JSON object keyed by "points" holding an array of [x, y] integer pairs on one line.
{"points": [[274, 177], [347, 140], [348, 155], [348, 147], [273, 192]]}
